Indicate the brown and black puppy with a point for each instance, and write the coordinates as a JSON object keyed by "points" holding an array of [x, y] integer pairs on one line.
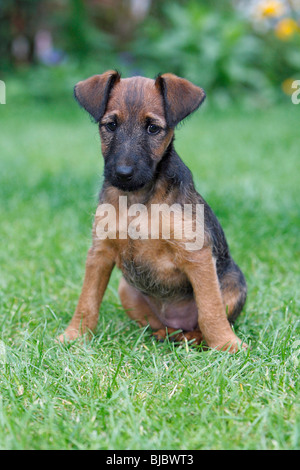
{"points": [[164, 284]]}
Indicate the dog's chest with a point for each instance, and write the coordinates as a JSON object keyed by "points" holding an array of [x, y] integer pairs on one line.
{"points": [[151, 268]]}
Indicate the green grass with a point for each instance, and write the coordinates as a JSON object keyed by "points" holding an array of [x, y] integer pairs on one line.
{"points": [[123, 390]]}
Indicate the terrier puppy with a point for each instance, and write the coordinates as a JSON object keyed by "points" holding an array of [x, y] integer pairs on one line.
{"points": [[167, 283]]}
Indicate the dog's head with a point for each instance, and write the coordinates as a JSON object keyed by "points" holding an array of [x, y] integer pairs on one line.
{"points": [[137, 117]]}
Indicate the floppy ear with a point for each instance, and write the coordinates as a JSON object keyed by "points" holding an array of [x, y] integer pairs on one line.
{"points": [[180, 97], [92, 94]]}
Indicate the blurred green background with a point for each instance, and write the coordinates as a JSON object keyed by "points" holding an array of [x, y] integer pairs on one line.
{"points": [[246, 51], [123, 390]]}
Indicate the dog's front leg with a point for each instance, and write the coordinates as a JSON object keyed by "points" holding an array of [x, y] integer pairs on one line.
{"points": [[212, 318], [99, 264]]}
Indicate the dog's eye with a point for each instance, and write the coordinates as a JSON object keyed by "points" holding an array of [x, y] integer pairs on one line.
{"points": [[153, 129], [111, 126]]}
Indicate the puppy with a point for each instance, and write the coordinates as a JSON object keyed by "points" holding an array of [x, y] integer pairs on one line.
{"points": [[182, 282]]}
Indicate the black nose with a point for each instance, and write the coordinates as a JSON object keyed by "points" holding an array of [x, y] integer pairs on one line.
{"points": [[124, 172]]}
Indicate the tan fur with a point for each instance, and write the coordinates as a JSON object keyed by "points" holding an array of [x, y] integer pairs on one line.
{"points": [[168, 260]]}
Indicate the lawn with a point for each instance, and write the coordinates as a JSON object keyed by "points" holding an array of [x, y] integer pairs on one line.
{"points": [[123, 390]]}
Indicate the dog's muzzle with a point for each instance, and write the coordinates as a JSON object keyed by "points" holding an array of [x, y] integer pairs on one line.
{"points": [[124, 173]]}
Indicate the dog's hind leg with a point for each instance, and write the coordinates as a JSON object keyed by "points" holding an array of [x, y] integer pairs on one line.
{"points": [[137, 307]]}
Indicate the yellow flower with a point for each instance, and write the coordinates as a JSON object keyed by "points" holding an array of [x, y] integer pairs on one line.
{"points": [[271, 8], [286, 28], [287, 86]]}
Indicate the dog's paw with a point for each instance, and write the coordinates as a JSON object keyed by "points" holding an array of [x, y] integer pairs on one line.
{"points": [[68, 336], [233, 345], [194, 337], [163, 333]]}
